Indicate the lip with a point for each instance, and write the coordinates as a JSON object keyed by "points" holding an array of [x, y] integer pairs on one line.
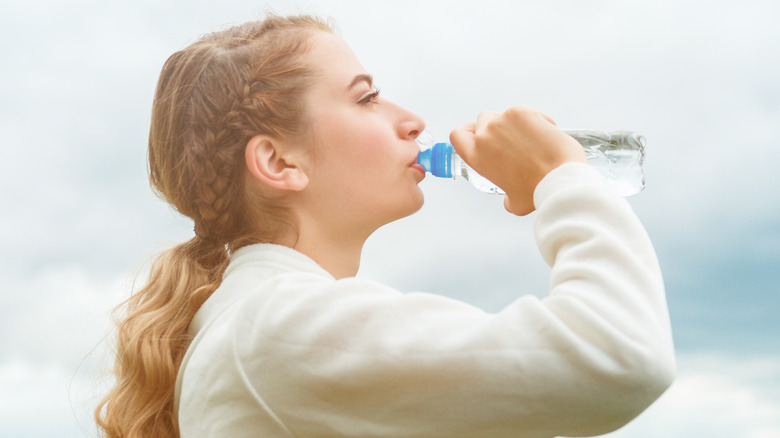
{"points": [[414, 164], [418, 167]]}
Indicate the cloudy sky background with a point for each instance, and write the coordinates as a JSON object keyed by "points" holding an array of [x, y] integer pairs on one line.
{"points": [[698, 79]]}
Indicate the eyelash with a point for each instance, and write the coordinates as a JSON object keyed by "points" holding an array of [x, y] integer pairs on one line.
{"points": [[371, 97]]}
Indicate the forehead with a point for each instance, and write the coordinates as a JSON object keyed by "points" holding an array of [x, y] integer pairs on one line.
{"points": [[335, 60]]}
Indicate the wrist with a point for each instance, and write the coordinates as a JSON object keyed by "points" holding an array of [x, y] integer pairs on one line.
{"points": [[567, 175]]}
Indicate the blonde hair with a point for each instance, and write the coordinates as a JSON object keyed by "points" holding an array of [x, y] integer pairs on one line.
{"points": [[211, 98]]}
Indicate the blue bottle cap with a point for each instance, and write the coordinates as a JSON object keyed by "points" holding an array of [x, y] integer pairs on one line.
{"points": [[437, 160], [424, 159]]}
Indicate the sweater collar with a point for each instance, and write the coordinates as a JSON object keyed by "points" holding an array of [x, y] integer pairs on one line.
{"points": [[277, 257], [271, 258]]}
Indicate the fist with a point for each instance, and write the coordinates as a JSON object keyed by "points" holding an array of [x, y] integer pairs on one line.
{"points": [[515, 150]]}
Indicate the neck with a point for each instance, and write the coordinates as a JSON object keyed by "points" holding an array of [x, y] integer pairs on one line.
{"points": [[339, 254]]}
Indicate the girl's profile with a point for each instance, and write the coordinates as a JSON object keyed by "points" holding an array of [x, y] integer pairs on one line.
{"points": [[274, 139]]}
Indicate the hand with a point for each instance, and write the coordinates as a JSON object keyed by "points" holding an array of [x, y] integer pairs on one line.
{"points": [[515, 150]]}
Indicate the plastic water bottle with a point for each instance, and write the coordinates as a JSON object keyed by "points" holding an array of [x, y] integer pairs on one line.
{"points": [[618, 155]]}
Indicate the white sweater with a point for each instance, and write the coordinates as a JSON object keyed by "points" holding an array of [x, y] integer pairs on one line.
{"points": [[282, 349]]}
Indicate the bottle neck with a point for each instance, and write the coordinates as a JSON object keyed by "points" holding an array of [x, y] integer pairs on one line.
{"points": [[438, 160]]}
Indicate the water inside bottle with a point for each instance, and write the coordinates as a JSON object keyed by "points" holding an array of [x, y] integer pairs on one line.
{"points": [[621, 167], [478, 181], [619, 156]]}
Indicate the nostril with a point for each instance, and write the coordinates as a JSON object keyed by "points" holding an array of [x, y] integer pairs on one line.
{"points": [[410, 125]]}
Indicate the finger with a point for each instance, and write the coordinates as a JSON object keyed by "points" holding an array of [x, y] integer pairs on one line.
{"points": [[549, 119], [462, 138], [517, 209], [484, 118], [470, 127]]}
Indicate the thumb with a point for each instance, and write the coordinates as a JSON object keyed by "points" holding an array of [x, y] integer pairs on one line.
{"points": [[521, 209]]}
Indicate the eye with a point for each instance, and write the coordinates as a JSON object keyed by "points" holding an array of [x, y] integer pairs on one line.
{"points": [[370, 97]]}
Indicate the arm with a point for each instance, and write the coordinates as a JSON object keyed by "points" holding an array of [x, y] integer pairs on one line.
{"points": [[357, 357]]}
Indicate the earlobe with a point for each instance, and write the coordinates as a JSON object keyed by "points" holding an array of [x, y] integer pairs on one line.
{"points": [[266, 162]]}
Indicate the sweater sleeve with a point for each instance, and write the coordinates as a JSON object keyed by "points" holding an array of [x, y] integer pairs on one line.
{"points": [[356, 358]]}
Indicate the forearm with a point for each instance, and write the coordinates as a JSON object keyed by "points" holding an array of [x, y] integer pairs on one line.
{"points": [[606, 288]]}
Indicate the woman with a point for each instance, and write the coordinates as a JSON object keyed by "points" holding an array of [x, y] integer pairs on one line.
{"points": [[273, 139]]}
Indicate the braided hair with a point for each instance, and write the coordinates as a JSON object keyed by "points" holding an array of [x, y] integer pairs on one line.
{"points": [[212, 98]]}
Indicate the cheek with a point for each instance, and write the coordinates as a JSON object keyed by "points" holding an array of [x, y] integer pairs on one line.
{"points": [[370, 156], [353, 148]]}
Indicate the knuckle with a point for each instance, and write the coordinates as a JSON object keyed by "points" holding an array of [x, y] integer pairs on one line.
{"points": [[518, 110]]}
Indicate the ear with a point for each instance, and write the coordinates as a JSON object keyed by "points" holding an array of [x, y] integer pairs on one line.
{"points": [[266, 162]]}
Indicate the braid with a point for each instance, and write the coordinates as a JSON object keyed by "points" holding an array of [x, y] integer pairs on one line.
{"points": [[212, 199], [248, 104]]}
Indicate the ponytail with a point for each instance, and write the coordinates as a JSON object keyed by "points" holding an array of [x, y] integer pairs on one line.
{"points": [[152, 339]]}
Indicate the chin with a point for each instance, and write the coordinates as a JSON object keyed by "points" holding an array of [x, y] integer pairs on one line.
{"points": [[411, 205], [415, 206], [420, 203]]}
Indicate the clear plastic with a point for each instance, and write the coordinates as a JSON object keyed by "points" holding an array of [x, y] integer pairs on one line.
{"points": [[462, 170], [618, 155]]}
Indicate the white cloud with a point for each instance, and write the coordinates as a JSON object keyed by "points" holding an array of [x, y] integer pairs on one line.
{"points": [[715, 396], [53, 351]]}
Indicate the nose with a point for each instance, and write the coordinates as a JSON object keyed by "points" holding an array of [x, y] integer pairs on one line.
{"points": [[409, 125]]}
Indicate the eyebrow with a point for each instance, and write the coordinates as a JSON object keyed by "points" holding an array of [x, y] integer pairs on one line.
{"points": [[361, 78]]}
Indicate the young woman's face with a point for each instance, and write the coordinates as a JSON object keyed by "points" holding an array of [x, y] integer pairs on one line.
{"points": [[363, 169]]}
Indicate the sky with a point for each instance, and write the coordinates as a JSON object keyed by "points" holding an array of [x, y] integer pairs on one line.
{"points": [[699, 79]]}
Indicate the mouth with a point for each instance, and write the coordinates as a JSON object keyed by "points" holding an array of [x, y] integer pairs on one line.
{"points": [[414, 162], [419, 169]]}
